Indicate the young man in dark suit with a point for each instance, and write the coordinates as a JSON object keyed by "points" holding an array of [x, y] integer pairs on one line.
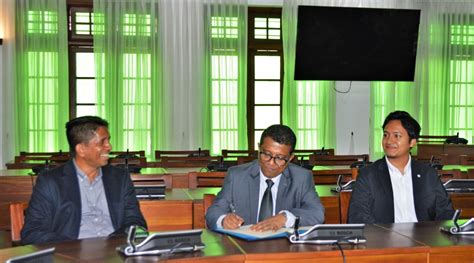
{"points": [[86, 197], [396, 188]]}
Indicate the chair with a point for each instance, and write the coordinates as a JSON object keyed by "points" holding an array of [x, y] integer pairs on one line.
{"points": [[235, 153], [470, 173], [28, 160], [207, 201], [330, 176], [245, 159], [153, 179], [336, 159], [447, 175], [344, 201], [435, 138], [173, 161], [205, 179], [17, 220], [192, 153]]}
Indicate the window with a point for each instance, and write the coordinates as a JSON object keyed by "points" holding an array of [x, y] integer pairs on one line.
{"points": [[42, 99], [225, 83], [42, 22], [461, 81], [265, 71]]}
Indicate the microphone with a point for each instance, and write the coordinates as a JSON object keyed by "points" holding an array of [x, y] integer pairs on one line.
{"points": [[126, 160], [221, 162]]}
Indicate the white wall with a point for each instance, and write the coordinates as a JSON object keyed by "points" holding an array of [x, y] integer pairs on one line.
{"points": [[352, 117]]}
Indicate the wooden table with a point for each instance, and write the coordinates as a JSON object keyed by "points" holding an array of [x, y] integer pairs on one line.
{"points": [[219, 248], [382, 245], [421, 242], [443, 247]]}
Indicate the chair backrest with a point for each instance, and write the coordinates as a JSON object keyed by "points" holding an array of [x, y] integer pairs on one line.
{"points": [[207, 200], [245, 159], [300, 152], [330, 176], [17, 219], [235, 153], [171, 161], [344, 200], [205, 179], [447, 175], [192, 153], [336, 159]]}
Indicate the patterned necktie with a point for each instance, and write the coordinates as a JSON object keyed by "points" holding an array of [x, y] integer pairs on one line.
{"points": [[266, 207]]}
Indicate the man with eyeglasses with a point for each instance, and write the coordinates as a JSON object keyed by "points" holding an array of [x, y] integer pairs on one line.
{"points": [[270, 192]]}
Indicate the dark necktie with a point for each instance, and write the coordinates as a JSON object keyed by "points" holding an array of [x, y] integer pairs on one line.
{"points": [[266, 207]]}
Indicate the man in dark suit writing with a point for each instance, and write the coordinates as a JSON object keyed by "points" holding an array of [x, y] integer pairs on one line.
{"points": [[86, 197], [269, 192], [396, 188]]}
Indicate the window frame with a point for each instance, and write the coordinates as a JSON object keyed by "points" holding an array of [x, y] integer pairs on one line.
{"points": [[261, 47]]}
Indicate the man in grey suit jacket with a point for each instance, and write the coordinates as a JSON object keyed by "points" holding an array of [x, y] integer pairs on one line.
{"points": [[242, 197], [396, 188]]}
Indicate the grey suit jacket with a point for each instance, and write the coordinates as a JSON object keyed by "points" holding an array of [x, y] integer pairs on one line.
{"points": [[372, 195], [296, 194]]}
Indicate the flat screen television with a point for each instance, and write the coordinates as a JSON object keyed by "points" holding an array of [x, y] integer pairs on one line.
{"points": [[365, 44]]}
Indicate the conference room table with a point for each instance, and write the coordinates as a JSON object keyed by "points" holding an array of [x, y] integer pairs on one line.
{"points": [[418, 242]]}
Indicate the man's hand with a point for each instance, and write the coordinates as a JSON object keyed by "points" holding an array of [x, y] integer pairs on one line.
{"points": [[272, 223], [232, 221]]}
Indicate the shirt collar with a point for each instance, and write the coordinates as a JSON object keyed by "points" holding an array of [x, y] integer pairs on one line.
{"points": [[393, 169], [275, 179], [82, 175]]}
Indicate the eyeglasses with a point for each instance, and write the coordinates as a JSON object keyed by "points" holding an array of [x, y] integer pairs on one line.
{"points": [[267, 157]]}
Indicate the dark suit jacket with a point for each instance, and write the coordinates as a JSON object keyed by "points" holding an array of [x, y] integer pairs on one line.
{"points": [[54, 211], [296, 194], [372, 195]]}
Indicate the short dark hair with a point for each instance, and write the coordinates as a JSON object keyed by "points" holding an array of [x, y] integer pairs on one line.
{"points": [[408, 122], [82, 130], [282, 134]]}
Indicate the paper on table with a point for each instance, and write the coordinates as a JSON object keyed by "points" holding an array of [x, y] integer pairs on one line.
{"points": [[244, 232]]}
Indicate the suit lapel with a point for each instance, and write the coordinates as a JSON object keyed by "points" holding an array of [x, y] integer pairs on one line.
{"points": [[72, 185], [417, 183], [254, 188], [108, 182], [72, 195], [282, 190], [383, 177]]}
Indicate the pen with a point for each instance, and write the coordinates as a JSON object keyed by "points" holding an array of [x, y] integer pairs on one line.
{"points": [[296, 226], [232, 208]]}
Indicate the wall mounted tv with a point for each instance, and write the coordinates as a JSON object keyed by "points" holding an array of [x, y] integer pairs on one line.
{"points": [[339, 43]]}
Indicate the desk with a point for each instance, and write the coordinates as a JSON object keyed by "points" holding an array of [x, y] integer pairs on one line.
{"points": [[443, 247], [218, 248], [382, 245], [421, 242]]}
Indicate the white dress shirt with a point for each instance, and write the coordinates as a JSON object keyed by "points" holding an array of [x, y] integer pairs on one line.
{"points": [[290, 218], [402, 188]]}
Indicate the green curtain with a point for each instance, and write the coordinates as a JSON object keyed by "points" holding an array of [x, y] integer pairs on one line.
{"points": [[226, 73], [41, 77], [446, 65], [386, 97], [308, 106], [129, 75]]}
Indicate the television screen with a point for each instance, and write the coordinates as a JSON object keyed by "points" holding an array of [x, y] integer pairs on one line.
{"points": [[339, 43]]}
